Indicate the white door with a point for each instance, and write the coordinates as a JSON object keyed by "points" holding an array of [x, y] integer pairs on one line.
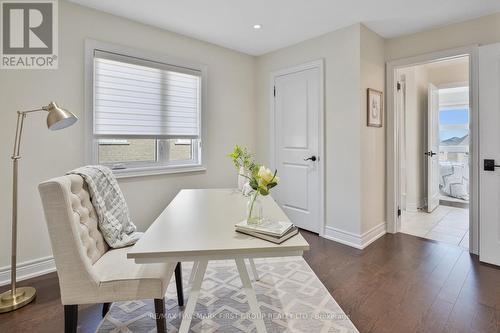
{"points": [[489, 148], [432, 152], [297, 108]]}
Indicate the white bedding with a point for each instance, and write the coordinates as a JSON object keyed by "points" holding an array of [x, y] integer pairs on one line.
{"points": [[454, 179]]}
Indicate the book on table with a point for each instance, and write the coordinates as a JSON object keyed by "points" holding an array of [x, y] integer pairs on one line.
{"points": [[267, 227], [275, 239]]}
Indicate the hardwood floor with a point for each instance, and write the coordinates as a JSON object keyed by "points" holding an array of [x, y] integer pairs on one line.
{"points": [[403, 283], [400, 283]]}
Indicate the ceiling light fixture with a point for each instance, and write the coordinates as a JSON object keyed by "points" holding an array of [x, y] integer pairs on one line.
{"points": [[257, 26]]}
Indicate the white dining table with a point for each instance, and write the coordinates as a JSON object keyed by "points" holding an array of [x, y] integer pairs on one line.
{"points": [[198, 226]]}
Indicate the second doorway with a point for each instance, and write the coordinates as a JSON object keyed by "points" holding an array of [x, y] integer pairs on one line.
{"points": [[435, 163]]}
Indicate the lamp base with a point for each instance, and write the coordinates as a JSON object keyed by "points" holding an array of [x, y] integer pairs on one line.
{"points": [[23, 296]]}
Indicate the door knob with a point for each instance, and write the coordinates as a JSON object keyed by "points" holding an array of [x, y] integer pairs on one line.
{"points": [[489, 165], [312, 158], [430, 153]]}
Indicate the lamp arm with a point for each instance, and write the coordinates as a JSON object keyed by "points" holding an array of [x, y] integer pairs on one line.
{"points": [[19, 130], [43, 108]]}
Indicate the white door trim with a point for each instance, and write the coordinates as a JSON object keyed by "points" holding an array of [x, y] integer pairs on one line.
{"points": [[319, 64], [393, 158]]}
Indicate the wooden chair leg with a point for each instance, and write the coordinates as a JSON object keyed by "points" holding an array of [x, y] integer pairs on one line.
{"points": [[178, 284], [161, 323], [70, 318], [105, 308]]}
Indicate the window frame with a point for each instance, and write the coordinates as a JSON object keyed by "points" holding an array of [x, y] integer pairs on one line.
{"points": [[137, 169]]}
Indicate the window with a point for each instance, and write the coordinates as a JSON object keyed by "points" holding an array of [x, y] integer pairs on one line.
{"points": [[146, 112], [454, 124]]}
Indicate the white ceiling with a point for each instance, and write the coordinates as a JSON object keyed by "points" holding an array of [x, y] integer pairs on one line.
{"points": [[229, 23]]}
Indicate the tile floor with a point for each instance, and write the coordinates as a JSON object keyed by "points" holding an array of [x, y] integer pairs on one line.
{"points": [[445, 224]]}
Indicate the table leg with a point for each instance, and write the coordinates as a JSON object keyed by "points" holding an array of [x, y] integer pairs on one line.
{"points": [[193, 272], [252, 299], [187, 316], [254, 270]]}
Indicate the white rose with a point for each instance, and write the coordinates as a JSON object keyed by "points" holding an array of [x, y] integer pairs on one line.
{"points": [[266, 175]]}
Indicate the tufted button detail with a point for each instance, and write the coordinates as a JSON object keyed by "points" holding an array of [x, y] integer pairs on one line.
{"points": [[85, 217]]}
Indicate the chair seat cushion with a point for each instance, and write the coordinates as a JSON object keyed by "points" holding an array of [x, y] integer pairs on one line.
{"points": [[123, 279]]}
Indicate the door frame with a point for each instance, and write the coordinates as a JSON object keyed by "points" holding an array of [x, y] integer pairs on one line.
{"points": [[318, 64], [394, 140]]}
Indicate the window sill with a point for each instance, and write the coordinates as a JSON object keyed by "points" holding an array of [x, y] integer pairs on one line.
{"points": [[152, 171]]}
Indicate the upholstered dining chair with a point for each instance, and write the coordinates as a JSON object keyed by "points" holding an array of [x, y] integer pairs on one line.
{"points": [[88, 270]]}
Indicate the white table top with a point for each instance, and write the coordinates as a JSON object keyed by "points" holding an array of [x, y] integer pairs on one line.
{"points": [[200, 223]]}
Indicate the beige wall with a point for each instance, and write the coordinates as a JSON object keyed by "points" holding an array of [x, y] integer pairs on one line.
{"points": [[449, 72], [483, 30], [340, 51], [372, 138], [238, 102], [230, 120], [355, 155]]}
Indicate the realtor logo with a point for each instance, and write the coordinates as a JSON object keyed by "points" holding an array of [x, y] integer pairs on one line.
{"points": [[29, 34]]}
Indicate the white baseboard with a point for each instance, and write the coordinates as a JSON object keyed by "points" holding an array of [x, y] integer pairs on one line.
{"points": [[33, 268], [28, 269], [355, 240]]}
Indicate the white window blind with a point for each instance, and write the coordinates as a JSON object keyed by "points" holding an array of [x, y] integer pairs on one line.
{"points": [[137, 97]]}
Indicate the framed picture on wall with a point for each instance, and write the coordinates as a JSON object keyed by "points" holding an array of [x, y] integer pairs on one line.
{"points": [[375, 108]]}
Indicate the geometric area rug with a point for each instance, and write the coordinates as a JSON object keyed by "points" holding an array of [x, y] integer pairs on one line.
{"points": [[290, 296]]}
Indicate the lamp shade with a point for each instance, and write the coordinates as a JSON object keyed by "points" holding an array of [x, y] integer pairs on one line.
{"points": [[59, 118]]}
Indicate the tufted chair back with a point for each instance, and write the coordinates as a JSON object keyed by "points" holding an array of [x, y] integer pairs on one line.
{"points": [[76, 240]]}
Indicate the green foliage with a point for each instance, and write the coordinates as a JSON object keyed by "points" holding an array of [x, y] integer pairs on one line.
{"points": [[241, 157], [260, 178]]}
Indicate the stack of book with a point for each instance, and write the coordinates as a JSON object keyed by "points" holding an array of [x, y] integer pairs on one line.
{"points": [[270, 230]]}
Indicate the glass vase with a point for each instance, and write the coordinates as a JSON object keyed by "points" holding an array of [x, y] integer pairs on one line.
{"points": [[254, 209]]}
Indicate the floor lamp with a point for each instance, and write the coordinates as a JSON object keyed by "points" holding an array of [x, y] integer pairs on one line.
{"points": [[57, 119]]}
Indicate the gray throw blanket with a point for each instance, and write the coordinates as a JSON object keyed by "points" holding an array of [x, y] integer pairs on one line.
{"points": [[109, 203]]}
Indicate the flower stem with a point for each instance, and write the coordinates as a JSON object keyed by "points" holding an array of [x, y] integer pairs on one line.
{"points": [[251, 206]]}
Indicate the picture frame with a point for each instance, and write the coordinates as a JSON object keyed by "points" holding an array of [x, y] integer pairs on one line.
{"points": [[374, 108]]}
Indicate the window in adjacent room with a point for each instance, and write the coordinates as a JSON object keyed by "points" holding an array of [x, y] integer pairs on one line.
{"points": [[454, 124]]}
